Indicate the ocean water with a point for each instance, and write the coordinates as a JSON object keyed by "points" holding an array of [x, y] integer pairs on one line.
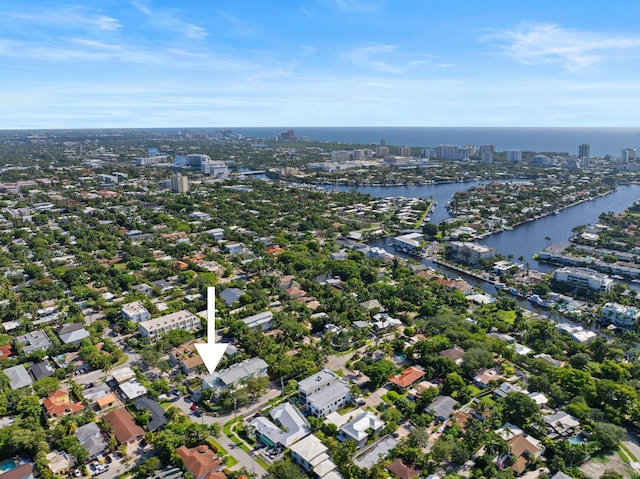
{"points": [[603, 141]]}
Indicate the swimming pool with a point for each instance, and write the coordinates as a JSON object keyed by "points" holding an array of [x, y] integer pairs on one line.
{"points": [[7, 465]]}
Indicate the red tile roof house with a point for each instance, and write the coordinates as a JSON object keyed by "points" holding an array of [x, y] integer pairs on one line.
{"points": [[201, 462], [123, 426], [59, 404], [407, 377]]}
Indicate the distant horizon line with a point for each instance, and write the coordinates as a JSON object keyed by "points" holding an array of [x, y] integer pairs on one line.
{"points": [[305, 127]]}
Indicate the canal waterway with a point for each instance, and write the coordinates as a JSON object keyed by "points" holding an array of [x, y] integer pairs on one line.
{"points": [[524, 240]]}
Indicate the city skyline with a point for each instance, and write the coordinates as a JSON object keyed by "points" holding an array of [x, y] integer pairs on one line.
{"points": [[318, 63]]}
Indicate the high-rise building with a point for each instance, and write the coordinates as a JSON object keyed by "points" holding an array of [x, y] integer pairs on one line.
{"points": [[584, 150], [179, 183], [383, 142], [196, 159], [487, 149], [627, 155], [382, 151], [514, 156], [486, 156], [454, 152], [405, 151]]}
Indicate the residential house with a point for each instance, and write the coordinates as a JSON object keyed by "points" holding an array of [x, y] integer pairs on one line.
{"points": [[132, 389], [60, 462], [96, 392], [523, 448], [123, 426], [72, 333], [442, 407], [360, 427], [385, 321], [42, 370], [485, 377], [34, 341], [227, 378], [455, 353], [6, 351], [231, 295], [263, 320], [91, 439], [291, 426], [561, 475], [163, 285], [315, 383], [312, 456], [287, 282], [216, 233], [328, 399], [505, 388], [158, 418], [58, 404], [408, 377], [371, 305], [135, 311], [186, 356], [123, 375], [399, 469], [24, 470], [144, 289], [561, 425], [619, 314], [202, 462], [183, 319], [18, 376], [106, 402], [234, 248], [577, 333]]}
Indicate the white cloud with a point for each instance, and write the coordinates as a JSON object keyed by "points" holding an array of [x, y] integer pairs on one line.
{"points": [[356, 5], [384, 58], [546, 43], [308, 50], [170, 19], [66, 16]]}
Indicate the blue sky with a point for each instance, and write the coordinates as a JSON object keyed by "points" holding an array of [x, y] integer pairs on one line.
{"points": [[219, 63]]}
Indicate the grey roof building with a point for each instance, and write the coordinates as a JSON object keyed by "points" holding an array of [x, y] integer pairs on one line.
{"points": [[328, 399], [231, 295], [442, 407], [42, 370], [34, 341], [157, 413], [91, 439], [72, 333], [262, 320], [18, 377], [228, 377]]}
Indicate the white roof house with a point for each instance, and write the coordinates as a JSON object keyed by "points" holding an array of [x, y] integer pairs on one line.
{"points": [[262, 320], [328, 399], [293, 426], [315, 383], [359, 428], [310, 454], [135, 312], [123, 375], [179, 320], [133, 389], [228, 377], [18, 376]]}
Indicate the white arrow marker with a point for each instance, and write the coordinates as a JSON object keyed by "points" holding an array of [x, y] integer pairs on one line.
{"points": [[211, 352]]}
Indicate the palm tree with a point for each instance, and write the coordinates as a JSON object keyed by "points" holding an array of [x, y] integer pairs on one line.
{"points": [[548, 240]]}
